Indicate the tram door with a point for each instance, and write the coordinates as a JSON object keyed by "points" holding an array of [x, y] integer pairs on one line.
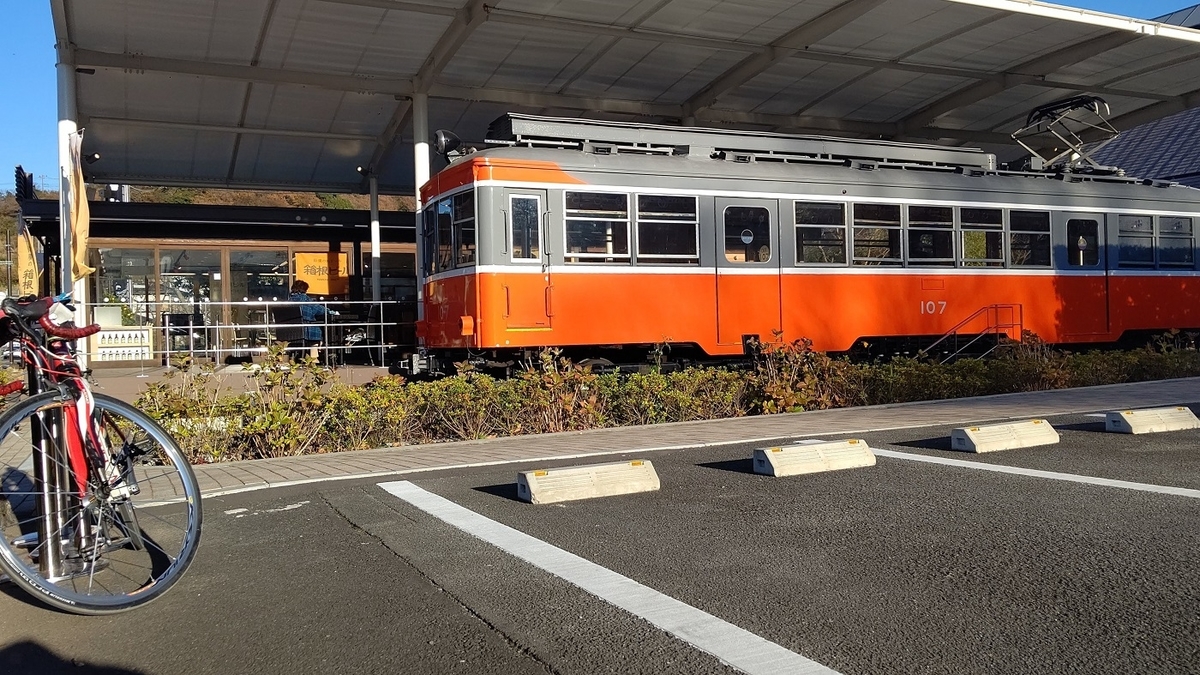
{"points": [[527, 281], [748, 262], [1083, 290]]}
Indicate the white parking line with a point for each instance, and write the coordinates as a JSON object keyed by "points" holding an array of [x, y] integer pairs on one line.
{"points": [[734, 646], [1037, 473]]}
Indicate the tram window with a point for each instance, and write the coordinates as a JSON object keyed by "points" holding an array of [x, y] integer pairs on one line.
{"points": [[666, 230], [930, 239], [429, 239], [820, 233], [747, 234], [982, 248], [1135, 240], [526, 227], [877, 234], [445, 241], [930, 216], [982, 219], [982, 237], [1029, 238], [1083, 242], [1175, 242], [464, 229], [597, 227]]}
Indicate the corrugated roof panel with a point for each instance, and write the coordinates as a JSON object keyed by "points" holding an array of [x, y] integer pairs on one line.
{"points": [[521, 57], [1137, 59], [202, 29], [400, 43], [1173, 82], [1005, 112], [751, 21], [536, 58], [611, 65], [186, 62], [881, 96], [883, 33], [328, 37], [682, 69], [615, 11], [1006, 43], [789, 87], [156, 96], [898, 94], [299, 160], [150, 153]]}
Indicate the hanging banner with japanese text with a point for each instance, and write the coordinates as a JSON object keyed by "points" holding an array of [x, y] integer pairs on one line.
{"points": [[326, 273]]}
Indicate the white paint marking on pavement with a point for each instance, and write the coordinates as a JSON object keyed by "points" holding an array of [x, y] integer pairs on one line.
{"points": [[1037, 473], [242, 513], [734, 646], [289, 507]]}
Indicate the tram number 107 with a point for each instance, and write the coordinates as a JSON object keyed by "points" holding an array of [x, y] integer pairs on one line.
{"points": [[931, 307]]}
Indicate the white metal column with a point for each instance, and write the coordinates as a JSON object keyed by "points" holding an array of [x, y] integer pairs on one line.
{"points": [[420, 114], [376, 273], [66, 127]]}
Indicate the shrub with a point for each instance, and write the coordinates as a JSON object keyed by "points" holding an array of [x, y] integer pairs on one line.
{"points": [[790, 377], [295, 408]]}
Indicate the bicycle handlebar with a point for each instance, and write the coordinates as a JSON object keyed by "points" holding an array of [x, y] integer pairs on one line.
{"points": [[65, 332]]}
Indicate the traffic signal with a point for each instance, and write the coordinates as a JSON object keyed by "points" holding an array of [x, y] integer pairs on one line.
{"points": [[24, 185]]}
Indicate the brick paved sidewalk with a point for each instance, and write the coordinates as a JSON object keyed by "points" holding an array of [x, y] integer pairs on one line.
{"points": [[233, 477]]}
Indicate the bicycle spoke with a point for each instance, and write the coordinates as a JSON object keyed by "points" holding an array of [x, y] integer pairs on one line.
{"points": [[114, 547]]}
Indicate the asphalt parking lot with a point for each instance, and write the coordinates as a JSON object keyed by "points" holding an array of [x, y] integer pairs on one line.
{"points": [[903, 567], [907, 566]]}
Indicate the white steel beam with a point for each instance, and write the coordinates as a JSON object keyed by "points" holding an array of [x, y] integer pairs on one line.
{"points": [[1123, 23], [68, 113], [227, 129], [797, 39], [420, 115], [376, 260], [465, 22], [414, 7], [138, 63], [345, 187], [557, 23]]}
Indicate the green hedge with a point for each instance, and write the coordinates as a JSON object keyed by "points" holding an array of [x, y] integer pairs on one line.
{"points": [[300, 408]]}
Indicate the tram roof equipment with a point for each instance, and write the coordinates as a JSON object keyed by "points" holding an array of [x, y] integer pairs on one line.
{"points": [[605, 137]]}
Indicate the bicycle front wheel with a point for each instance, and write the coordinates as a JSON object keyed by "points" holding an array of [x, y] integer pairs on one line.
{"points": [[119, 543]]}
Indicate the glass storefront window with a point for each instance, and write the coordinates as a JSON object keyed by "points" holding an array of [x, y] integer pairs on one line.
{"points": [[190, 282], [258, 275], [123, 295], [124, 286], [254, 276]]}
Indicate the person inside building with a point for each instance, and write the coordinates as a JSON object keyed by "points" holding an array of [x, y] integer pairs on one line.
{"points": [[310, 313]]}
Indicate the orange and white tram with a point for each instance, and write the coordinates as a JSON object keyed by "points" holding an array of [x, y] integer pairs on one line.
{"points": [[595, 236]]}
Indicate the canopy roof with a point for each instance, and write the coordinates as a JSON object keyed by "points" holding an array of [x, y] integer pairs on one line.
{"points": [[296, 94]]}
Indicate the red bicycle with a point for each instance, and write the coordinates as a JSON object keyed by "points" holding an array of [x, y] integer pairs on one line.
{"points": [[99, 509]]}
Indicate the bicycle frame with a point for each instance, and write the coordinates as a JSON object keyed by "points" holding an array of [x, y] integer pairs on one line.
{"points": [[61, 456]]}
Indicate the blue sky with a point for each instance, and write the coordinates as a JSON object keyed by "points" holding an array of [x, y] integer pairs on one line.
{"points": [[28, 118]]}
